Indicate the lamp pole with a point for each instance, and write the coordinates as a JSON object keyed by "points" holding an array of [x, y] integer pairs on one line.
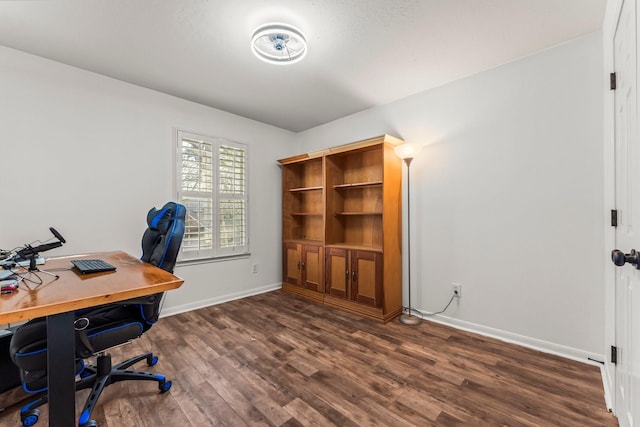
{"points": [[408, 318]]}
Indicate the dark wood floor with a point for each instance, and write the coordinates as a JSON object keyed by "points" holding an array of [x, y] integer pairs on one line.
{"points": [[277, 360]]}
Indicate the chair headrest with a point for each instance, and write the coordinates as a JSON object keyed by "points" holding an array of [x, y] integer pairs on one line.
{"points": [[162, 239], [160, 219]]}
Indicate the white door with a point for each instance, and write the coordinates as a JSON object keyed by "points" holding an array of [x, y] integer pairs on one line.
{"points": [[627, 195]]}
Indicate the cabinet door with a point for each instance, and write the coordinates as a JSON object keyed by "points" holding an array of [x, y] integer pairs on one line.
{"points": [[291, 263], [312, 264], [366, 278], [337, 275]]}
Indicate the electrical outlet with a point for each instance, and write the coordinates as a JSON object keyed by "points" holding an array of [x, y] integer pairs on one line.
{"points": [[456, 289], [254, 268]]}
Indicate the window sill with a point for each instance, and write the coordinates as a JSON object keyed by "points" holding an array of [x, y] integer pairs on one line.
{"points": [[210, 260]]}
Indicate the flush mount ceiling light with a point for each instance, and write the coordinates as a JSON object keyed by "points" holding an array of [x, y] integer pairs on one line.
{"points": [[278, 44]]}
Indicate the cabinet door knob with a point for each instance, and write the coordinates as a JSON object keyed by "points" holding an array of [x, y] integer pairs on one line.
{"points": [[353, 275], [347, 274]]}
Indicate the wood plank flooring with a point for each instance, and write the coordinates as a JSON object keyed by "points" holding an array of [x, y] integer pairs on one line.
{"points": [[278, 360]]}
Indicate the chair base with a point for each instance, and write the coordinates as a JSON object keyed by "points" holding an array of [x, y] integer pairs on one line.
{"points": [[97, 378]]}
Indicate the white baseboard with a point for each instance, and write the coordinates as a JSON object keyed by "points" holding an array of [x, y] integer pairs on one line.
{"points": [[170, 311], [533, 343]]}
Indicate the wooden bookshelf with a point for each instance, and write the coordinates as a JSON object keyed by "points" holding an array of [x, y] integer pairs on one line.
{"points": [[342, 227]]}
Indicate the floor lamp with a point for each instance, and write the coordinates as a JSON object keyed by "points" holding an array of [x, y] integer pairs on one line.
{"points": [[406, 152]]}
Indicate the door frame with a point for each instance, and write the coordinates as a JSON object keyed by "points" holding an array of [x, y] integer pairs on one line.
{"points": [[610, 22]]}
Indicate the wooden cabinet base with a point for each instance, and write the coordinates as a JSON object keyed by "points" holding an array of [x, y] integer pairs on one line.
{"points": [[372, 313], [307, 293]]}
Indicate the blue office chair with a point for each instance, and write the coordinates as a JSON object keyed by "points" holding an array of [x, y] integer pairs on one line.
{"points": [[104, 327]]}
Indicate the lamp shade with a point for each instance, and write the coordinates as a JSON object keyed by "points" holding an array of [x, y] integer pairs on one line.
{"points": [[406, 150]]}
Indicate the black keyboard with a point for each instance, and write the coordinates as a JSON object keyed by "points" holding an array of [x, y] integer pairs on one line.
{"points": [[86, 266]]}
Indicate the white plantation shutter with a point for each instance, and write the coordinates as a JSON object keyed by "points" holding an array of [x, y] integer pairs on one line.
{"points": [[211, 183], [232, 199]]}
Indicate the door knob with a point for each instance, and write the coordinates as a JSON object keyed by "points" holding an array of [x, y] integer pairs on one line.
{"points": [[619, 258]]}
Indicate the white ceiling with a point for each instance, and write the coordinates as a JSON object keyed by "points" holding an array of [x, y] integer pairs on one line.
{"points": [[362, 53]]}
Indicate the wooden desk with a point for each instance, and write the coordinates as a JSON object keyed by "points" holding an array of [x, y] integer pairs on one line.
{"points": [[58, 298]]}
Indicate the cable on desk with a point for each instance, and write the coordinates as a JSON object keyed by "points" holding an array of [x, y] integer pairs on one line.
{"points": [[60, 269]]}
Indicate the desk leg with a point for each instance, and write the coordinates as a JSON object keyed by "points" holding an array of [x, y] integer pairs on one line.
{"points": [[61, 371]]}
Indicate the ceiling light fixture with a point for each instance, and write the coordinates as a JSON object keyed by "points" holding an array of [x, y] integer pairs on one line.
{"points": [[279, 44]]}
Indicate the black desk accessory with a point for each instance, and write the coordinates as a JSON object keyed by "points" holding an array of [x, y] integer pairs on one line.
{"points": [[31, 253], [88, 266]]}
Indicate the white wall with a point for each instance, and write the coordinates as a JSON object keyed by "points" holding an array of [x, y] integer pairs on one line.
{"points": [[90, 155], [507, 196]]}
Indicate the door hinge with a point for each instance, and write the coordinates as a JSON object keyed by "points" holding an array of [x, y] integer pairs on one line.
{"points": [[612, 81], [614, 217], [614, 354]]}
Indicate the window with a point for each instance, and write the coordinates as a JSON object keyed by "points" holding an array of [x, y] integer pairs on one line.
{"points": [[211, 183]]}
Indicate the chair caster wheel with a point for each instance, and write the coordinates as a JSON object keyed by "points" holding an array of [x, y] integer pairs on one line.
{"points": [[29, 418], [164, 386], [151, 361]]}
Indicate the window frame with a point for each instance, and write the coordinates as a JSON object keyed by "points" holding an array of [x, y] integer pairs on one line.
{"points": [[216, 252]]}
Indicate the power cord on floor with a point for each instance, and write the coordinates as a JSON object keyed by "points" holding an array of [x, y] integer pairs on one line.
{"points": [[421, 314], [447, 306]]}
